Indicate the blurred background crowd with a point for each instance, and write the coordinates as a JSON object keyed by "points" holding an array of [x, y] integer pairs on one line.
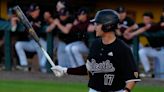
{"points": [[72, 34]]}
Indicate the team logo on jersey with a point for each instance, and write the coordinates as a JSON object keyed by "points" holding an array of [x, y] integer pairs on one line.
{"points": [[125, 22], [103, 67], [136, 74], [110, 54]]}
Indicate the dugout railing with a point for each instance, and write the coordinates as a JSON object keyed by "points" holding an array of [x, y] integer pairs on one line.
{"points": [[6, 26]]}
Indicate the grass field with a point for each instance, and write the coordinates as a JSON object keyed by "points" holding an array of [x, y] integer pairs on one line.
{"points": [[51, 86]]}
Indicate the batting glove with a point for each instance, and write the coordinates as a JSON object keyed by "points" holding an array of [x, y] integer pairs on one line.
{"points": [[59, 71]]}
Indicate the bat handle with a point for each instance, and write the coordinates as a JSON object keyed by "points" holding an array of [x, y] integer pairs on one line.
{"points": [[48, 57]]}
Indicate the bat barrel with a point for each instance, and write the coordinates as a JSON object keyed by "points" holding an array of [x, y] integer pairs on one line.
{"points": [[26, 23], [22, 17]]}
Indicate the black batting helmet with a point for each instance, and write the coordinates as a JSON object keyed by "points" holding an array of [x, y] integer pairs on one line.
{"points": [[108, 18]]}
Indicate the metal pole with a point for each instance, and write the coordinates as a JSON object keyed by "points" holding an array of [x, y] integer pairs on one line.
{"points": [[7, 50], [49, 49], [135, 49]]}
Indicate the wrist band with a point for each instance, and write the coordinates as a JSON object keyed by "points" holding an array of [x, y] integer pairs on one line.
{"points": [[127, 89]]}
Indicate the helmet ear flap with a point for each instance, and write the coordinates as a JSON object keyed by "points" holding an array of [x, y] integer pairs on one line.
{"points": [[108, 28]]}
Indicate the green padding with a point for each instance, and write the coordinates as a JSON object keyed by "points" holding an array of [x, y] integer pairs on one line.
{"points": [[5, 25], [155, 33]]}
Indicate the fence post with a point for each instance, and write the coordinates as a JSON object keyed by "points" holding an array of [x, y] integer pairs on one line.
{"points": [[135, 49], [49, 49], [7, 50]]}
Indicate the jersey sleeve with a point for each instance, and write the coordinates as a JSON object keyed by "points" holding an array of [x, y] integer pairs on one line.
{"points": [[130, 70], [70, 20], [130, 21], [81, 70]]}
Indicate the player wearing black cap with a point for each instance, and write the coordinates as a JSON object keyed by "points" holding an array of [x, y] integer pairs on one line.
{"points": [[110, 62], [30, 45], [78, 34], [126, 25], [156, 43]]}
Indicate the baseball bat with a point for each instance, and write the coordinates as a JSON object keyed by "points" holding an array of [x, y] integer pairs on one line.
{"points": [[32, 32]]}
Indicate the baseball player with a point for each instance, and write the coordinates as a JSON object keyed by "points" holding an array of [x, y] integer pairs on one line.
{"points": [[30, 45], [155, 45], [110, 63], [78, 47], [126, 25]]}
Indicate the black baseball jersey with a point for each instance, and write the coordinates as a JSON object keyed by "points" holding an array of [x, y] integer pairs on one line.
{"points": [[36, 24], [62, 36], [79, 31], [112, 66], [126, 23], [154, 42], [162, 19]]}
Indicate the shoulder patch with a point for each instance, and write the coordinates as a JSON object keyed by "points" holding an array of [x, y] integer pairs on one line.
{"points": [[136, 74]]}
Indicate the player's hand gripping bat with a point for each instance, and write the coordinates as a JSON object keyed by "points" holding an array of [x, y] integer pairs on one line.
{"points": [[31, 31]]}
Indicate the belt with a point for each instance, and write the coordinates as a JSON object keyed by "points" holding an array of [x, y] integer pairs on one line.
{"points": [[92, 90]]}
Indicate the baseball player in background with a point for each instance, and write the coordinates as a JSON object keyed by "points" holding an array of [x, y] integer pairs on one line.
{"points": [[126, 25], [30, 45], [110, 63]]}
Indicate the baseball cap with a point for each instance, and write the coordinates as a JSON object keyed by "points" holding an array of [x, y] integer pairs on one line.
{"points": [[149, 14], [11, 11], [120, 9], [82, 11], [33, 7], [64, 12]]}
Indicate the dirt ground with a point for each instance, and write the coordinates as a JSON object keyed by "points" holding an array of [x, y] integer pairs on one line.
{"points": [[19, 75]]}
